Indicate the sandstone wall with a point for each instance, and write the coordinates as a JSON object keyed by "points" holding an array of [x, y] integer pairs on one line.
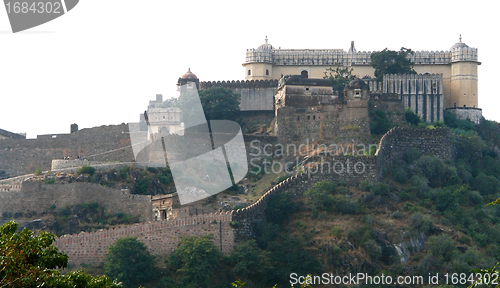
{"points": [[255, 95], [249, 216], [341, 123], [394, 143], [473, 114], [105, 143], [37, 197], [159, 237]]}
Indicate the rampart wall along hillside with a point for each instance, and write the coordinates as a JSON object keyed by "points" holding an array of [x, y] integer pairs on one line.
{"points": [[36, 196], [105, 143], [159, 237], [163, 236], [397, 141], [255, 95]]}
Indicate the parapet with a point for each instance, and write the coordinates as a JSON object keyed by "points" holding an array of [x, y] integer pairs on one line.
{"points": [[239, 84]]}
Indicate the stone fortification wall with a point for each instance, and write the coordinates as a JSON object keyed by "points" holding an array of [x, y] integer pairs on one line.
{"points": [[255, 95], [36, 196], [10, 186], [399, 140], [388, 102], [73, 165], [159, 237], [473, 114], [105, 143], [344, 123], [352, 173]]}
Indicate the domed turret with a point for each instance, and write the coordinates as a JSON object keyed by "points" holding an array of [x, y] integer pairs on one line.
{"points": [[188, 82], [265, 46], [459, 45], [463, 78], [356, 89], [358, 84], [189, 75]]}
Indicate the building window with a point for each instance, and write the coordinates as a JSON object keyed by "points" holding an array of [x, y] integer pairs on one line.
{"points": [[304, 74], [267, 72], [249, 72]]}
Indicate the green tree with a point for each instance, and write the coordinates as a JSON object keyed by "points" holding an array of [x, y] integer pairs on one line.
{"points": [[217, 102], [250, 262], [30, 260], [170, 102], [392, 62], [279, 208], [339, 77], [379, 123], [197, 260], [319, 197], [412, 118], [129, 262]]}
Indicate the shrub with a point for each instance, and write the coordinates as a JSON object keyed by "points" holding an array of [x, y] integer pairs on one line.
{"points": [[368, 219], [124, 172], [336, 232], [279, 208], [38, 171], [433, 169], [412, 118], [411, 155], [444, 200], [379, 123], [86, 170], [421, 186], [397, 215], [346, 206], [365, 186], [451, 121], [319, 197], [142, 186], [486, 184], [49, 181], [373, 249], [441, 246], [420, 222], [360, 235], [380, 189], [399, 174]]}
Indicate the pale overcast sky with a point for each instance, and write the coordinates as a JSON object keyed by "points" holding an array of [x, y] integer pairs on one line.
{"points": [[102, 62]]}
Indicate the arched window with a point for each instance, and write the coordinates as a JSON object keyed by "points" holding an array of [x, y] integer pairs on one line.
{"points": [[304, 74], [267, 72], [249, 72]]}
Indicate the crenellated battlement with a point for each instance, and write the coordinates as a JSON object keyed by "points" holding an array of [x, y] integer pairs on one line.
{"points": [[160, 237], [239, 84], [340, 57]]}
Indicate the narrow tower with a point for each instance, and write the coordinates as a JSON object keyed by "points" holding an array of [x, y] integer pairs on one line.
{"points": [[464, 92], [259, 63]]}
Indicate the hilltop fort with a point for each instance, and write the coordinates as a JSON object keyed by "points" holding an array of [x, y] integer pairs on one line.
{"points": [[283, 88]]}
